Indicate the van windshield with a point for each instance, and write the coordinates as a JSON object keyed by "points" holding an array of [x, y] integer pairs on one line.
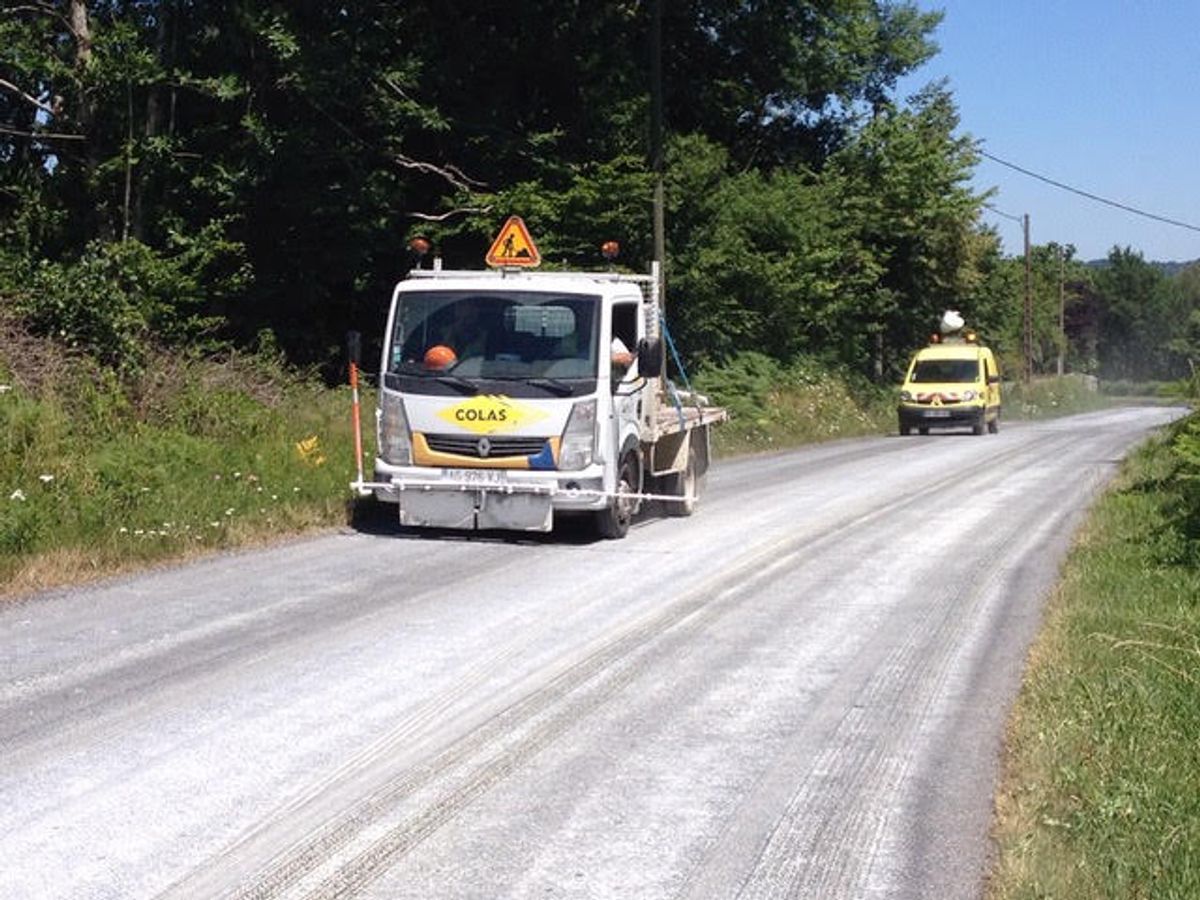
{"points": [[945, 371], [495, 335]]}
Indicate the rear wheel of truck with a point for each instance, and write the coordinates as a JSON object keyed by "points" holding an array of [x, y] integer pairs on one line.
{"points": [[613, 522], [994, 425], [687, 483]]}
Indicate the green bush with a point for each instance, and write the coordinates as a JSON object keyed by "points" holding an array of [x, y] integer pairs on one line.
{"points": [[773, 405], [1185, 448], [120, 299]]}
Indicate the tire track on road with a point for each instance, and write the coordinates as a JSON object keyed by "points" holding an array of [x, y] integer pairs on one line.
{"points": [[353, 846]]}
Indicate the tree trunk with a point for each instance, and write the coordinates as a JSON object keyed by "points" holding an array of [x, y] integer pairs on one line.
{"points": [[85, 111], [155, 114]]}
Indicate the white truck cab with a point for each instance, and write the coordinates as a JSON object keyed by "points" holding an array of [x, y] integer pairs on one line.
{"points": [[500, 405]]}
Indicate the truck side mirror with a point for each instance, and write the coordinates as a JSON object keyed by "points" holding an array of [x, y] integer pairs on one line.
{"points": [[993, 379], [651, 357]]}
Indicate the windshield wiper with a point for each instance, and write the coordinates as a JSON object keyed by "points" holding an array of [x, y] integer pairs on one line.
{"points": [[554, 385], [467, 387]]}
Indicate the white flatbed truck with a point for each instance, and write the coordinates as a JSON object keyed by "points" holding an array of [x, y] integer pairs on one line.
{"points": [[500, 406]]}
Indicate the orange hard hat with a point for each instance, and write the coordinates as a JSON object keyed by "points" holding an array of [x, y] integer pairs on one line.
{"points": [[439, 356]]}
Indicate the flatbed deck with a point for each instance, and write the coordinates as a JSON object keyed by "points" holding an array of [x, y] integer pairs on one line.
{"points": [[670, 419]]}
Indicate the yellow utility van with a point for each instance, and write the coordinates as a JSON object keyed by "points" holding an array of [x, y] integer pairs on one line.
{"points": [[952, 383]]}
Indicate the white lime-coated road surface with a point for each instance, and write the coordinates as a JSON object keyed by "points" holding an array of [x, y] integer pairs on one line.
{"points": [[798, 692]]}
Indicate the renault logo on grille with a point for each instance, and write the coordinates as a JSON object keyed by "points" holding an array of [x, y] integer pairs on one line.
{"points": [[484, 447]]}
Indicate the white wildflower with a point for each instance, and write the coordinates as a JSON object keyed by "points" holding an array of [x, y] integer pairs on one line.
{"points": [[45, 479], [18, 494]]}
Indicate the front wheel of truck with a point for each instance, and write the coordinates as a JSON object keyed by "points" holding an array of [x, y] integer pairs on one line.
{"points": [[613, 521]]}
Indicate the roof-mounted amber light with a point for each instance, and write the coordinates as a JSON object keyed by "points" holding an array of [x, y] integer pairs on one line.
{"points": [[610, 250], [420, 246]]}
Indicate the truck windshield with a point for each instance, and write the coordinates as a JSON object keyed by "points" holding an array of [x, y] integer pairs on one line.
{"points": [[945, 371], [494, 335]]}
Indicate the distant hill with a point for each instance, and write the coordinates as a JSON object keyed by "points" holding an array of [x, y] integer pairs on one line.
{"points": [[1167, 268]]}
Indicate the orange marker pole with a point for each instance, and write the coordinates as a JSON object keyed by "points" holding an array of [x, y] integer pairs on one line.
{"points": [[357, 417]]}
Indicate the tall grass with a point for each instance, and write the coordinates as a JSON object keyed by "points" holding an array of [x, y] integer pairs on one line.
{"points": [[1049, 397], [1101, 796], [96, 473], [773, 406]]}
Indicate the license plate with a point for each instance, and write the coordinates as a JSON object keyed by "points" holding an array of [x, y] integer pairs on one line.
{"points": [[937, 413], [476, 477]]}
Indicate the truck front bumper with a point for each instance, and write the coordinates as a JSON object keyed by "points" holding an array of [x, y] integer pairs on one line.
{"points": [[518, 500]]}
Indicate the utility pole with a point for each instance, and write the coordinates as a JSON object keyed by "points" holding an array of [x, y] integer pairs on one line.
{"points": [[1062, 309], [656, 148], [1028, 373]]}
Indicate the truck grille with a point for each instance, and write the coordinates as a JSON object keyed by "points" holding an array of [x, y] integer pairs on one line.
{"points": [[943, 397], [464, 445]]}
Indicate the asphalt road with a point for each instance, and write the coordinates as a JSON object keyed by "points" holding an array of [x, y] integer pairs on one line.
{"points": [[798, 692]]}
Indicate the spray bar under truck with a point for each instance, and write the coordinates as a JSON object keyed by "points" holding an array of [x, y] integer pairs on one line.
{"points": [[505, 399]]}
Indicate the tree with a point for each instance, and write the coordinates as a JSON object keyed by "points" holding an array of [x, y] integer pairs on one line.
{"points": [[1137, 321], [296, 147], [916, 215]]}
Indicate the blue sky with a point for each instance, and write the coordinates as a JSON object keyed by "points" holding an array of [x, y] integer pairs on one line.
{"points": [[1102, 95]]}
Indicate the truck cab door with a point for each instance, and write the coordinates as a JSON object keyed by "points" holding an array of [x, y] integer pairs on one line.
{"points": [[627, 382]]}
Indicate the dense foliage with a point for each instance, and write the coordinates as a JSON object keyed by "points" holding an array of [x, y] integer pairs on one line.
{"points": [[249, 172]]}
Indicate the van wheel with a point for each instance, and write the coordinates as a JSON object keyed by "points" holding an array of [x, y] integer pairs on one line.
{"points": [[922, 430], [613, 521], [905, 431], [994, 425]]}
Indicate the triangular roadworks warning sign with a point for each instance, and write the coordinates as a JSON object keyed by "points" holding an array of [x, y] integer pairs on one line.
{"points": [[513, 246]]}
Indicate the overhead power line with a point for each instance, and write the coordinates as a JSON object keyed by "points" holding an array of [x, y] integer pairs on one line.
{"points": [[1002, 213], [1090, 196]]}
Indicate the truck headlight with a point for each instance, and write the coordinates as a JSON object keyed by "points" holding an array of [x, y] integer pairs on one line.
{"points": [[969, 395], [905, 397], [395, 441], [578, 445]]}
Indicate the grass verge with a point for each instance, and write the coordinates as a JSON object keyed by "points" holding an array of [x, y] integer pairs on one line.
{"points": [[1101, 791], [98, 476], [1047, 397], [773, 406]]}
